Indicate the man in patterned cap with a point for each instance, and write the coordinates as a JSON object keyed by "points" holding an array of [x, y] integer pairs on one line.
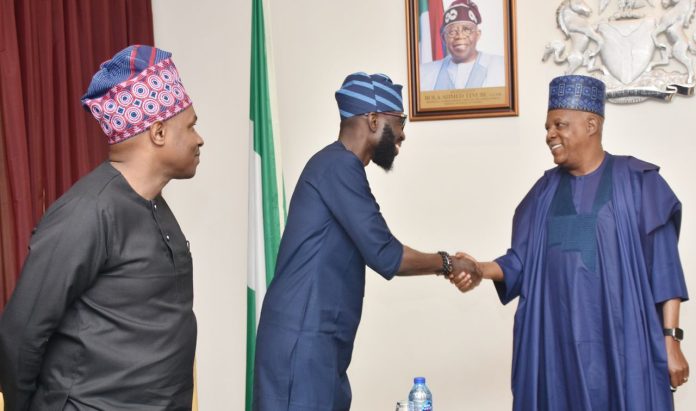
{"points": [[312, 308], [464, 66], [101, 318], [594, 260]]}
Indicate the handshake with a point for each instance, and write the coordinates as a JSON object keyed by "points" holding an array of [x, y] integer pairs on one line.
{"points": [[466, 274]]}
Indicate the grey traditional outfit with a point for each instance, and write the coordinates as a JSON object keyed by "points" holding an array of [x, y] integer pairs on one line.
{"points": [[101, 318]]}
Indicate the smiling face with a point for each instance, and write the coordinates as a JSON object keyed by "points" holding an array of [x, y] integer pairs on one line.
{"points": [[574, 138], [460, 39]]}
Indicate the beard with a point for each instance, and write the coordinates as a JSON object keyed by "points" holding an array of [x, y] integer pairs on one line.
{"points": [[385, 152]]}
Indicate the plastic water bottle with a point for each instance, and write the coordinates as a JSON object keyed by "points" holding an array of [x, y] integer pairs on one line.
{"points": [[420, 398]]}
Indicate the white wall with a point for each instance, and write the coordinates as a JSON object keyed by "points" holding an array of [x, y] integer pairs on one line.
{"points": [[210, 45], [455, 186]]}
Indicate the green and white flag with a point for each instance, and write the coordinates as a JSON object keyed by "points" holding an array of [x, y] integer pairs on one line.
{"points": [[424, 40], [266, 192]]}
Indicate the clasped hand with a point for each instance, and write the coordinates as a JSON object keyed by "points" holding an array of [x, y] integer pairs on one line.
{"points": [[466, 274]]}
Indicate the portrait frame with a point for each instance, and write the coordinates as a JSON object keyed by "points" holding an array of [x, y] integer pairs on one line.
{"points": [[494, 97]]}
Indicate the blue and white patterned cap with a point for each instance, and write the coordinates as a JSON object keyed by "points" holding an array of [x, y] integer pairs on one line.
{"points": [[363, 93], [575, 92]]}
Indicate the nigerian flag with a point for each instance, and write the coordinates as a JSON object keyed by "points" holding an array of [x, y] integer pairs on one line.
{"points": [[266, 193], [430, 14], [424, 41]]}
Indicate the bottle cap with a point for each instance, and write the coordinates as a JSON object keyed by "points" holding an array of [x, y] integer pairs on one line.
{"points": [[419, 380]]}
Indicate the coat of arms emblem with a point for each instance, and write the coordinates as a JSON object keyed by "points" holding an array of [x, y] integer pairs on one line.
{"points": [[640, 48]]}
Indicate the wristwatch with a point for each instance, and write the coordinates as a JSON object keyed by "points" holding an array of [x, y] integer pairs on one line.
{"points": [[676, 333], [447, 266]]}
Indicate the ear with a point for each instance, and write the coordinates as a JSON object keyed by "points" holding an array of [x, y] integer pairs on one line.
{"points": [[592, 124], [157, 133], [372, 122]]}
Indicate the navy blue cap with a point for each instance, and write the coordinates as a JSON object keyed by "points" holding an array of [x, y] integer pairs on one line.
{"points": [[363, 93], [576, 92]]}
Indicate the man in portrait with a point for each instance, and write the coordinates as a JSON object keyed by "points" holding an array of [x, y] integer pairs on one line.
{"points": [[464, 66]]}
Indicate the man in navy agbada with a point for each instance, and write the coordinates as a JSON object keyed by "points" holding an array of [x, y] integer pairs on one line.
{"points": [[312, 309], [595, 264]]}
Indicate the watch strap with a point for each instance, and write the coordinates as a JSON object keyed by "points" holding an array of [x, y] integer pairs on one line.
{"points": [[676, 333]]}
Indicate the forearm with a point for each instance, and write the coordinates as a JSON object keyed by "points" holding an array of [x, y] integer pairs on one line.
{"points": [[670, 313], [676, 362], [17, 373], [415, 262], [670, 319], [491, 270]]}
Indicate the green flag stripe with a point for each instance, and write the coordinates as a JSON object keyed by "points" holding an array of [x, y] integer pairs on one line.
{"points": [[422, 6], [263, 138], [272, 196]]}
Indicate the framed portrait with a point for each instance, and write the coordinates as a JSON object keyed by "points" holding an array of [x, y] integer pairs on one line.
{"points": [[462, 59]]}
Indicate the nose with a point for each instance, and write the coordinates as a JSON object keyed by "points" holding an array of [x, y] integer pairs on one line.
{"points": [[201, 142], [550, 134]]}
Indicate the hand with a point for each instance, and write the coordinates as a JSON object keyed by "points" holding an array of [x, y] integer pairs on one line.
{"points": [[466, 274], [676, 363]]}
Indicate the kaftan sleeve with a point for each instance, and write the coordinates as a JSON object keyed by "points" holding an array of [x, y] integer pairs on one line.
{"points": [[667, 275], [661, 212], [510, 287], [513, 262], [346, 192], [65, 254]]}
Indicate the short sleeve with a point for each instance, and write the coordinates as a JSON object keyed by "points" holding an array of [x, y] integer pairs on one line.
{"points": [[667, 275]]}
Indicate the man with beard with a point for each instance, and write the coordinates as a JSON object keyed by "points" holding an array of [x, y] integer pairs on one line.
{"points": [[312, 309], [464, 66], [595, 264]]}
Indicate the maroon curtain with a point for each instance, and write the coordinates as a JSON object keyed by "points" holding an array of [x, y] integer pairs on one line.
{"points": [[49, 50]]}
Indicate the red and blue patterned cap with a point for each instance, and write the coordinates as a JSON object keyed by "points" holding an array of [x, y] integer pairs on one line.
{"points": [[574, 92], [139, 86]]}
